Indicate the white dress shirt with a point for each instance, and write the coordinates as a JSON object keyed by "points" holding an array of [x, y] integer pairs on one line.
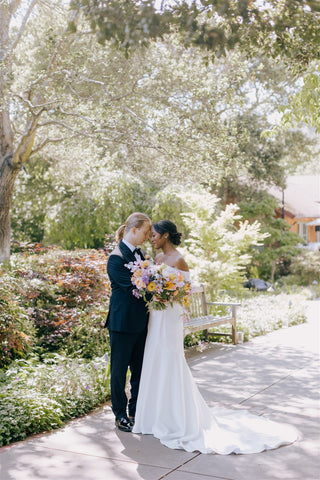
{"points": [[132, 247]]}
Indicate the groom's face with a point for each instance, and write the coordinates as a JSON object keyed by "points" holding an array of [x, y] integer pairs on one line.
{"points": [[142, 234]]}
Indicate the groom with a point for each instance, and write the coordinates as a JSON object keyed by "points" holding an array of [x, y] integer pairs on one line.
{"points": [[127, 323]]}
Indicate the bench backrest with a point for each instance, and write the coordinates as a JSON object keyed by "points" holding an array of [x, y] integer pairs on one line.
{"points": [[198, 305]]}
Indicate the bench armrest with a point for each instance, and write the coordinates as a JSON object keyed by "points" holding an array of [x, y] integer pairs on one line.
{"points": [[224, 303]]}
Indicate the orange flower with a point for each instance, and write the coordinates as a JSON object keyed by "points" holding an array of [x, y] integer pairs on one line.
{"points": [[140, 283], [145, 264], [169, 286]]}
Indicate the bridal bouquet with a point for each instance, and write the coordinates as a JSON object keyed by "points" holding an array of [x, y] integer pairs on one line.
{"points": [[165, 285]]}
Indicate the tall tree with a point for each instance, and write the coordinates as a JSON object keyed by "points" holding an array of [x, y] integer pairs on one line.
{"points": [[53, 93], [15, 149]]}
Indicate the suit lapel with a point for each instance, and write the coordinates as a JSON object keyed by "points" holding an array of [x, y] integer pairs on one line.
{"points": [[126, 252]]}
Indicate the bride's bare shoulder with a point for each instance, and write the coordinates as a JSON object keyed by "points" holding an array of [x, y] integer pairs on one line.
{"points": [[159, 258], [181, 264]]}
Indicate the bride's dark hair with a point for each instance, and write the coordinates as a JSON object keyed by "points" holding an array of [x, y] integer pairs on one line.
{"points": [[166, 226]]}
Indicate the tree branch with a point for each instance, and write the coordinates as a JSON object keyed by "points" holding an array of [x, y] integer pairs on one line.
{"points": [[48, 140], [13, 6], [22, 27], [66, 126], [20, 155]]}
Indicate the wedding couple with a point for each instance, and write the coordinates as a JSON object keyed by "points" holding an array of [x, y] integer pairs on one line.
{"points": [[165, 400]]}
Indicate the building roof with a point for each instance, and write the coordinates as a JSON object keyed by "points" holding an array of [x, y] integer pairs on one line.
{"points": [[301, 196]]}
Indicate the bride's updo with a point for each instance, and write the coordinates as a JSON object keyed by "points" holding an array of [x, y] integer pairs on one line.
{"points": [[166, 226]]}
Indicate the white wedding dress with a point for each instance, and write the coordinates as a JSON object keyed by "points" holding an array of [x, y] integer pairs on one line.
{"points": [[171, 408]]}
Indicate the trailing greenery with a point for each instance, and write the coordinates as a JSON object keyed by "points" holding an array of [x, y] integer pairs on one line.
{"points": [[37, 396]]}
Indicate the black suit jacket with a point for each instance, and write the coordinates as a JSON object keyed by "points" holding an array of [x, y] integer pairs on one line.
{"points": [[126, 312]]}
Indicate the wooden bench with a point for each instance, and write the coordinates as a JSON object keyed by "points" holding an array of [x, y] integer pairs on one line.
{"points": [[201, 319]]}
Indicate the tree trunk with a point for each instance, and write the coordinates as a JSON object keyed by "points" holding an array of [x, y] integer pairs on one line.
{"points": [[7, 178], [273, 270], [8, 172]]}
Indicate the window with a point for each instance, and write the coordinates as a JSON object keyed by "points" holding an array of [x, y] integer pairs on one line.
{"points": [[303, 231]]}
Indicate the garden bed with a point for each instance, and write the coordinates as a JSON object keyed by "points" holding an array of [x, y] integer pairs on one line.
{"points": [[53, 349]]}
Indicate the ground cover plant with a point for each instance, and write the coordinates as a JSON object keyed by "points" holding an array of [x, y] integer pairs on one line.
{"points": [[40, 396]]}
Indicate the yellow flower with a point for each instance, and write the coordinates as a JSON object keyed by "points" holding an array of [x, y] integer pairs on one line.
{"points": [[169, 286], [186, 301], [172, 276], [145, 264], [151, 287]]}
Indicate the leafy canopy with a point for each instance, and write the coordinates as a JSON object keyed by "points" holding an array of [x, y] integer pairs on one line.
{"points": [[278, 27]]}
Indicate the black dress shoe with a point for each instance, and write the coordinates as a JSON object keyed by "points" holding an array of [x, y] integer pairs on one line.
{"points": [[124, 424]]}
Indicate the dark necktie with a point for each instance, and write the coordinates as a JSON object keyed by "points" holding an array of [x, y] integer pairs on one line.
{"points": [[138, 251]]}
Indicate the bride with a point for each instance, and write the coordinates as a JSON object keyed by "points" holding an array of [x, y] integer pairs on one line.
{"points": [[169, 405]]}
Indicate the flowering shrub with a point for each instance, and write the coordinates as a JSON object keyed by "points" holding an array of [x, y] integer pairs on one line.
{"points": [[54, 300], [259, 315], [305, 268], [64, 291], [41, 396], [263, 314], [159, 285]]}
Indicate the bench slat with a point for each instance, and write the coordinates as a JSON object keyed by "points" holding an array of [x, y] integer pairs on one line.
{"points": [[200, 319]]}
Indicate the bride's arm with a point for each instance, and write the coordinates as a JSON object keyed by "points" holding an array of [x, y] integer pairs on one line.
{"points": [[181, 264]]}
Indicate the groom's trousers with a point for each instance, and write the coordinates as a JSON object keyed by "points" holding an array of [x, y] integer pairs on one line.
{"points": [[126, 351]]}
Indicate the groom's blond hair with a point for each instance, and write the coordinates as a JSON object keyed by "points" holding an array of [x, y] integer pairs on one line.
{"points": [[136, 219]]}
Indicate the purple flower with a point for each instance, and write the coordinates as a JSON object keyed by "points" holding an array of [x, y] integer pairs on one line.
{"points": [[136, 293], [87, 387], [146, 279]]}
